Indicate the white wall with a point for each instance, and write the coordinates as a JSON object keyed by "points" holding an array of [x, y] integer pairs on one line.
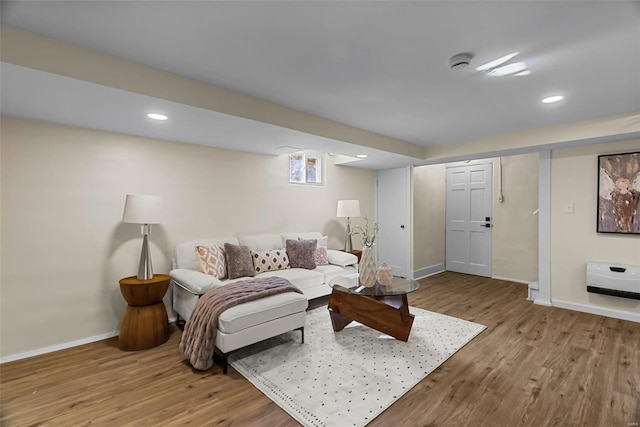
{"points": [[574, 241], [514, 243], [64, 247], [515, 231], [428, 217]]}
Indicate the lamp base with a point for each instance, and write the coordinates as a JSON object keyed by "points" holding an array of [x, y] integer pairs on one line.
{"points": [[348, 245], [145, 269]]}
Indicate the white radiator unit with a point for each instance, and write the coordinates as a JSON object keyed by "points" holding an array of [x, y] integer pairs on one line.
{"points": [[614, 279]]}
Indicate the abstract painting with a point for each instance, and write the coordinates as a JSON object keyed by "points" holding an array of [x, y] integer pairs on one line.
{"points": [[619, 193]]}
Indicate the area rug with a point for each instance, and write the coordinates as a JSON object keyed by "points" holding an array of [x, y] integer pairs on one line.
{"points": [[348, 378]]}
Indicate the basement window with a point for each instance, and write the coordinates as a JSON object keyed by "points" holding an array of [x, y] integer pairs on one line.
{"points": [[305, 167]]}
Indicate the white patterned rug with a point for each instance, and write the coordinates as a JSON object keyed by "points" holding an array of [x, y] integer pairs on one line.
{"points": [[347, 378]]}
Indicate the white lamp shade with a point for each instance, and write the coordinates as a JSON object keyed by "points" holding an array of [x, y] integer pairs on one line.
{"points": [[143, 209], [348, 208]]}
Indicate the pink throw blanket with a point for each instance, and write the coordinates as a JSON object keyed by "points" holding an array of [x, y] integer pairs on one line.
{"points": [[199, 336]]}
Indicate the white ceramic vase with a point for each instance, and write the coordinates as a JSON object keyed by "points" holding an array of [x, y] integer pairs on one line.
{"points": [[367, 266]]}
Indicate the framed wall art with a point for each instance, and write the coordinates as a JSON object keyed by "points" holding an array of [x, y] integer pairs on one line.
{"points": [[619, 193]]}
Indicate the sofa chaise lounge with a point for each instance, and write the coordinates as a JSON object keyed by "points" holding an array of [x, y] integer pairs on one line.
{"points": [[255, 321]]}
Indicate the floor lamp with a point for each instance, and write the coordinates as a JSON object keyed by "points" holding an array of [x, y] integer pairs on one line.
{"points": [[348, 209], [145, 210]]}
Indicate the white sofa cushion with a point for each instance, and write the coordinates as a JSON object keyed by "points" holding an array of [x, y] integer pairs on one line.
{"points": [[186, 255], [262, 242], [194, 281], [300, 236], [333, 271], [253, 313], [299, 277], [229, 342], [341, 258]]}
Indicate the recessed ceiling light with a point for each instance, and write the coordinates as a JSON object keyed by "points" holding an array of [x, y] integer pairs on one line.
{"points": [[509, 69], [362, 156], [523, 73], [552, 99], [492, 64], [156, 116]]}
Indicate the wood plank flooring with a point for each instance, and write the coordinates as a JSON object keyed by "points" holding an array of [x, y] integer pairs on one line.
{"points": [[532, 366]]}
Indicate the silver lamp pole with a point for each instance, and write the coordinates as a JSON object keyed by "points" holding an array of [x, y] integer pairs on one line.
{"points": [[348, 244], [145, 269]]}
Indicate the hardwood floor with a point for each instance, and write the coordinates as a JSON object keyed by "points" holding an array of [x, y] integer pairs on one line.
{"points": [[532, 366]]}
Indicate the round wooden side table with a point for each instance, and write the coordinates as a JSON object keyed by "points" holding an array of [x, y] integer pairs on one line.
{"points": [[145, 323]]}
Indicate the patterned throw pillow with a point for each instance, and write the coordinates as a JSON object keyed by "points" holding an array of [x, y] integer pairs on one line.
{"points": [[212, 260], [239, 263], [302, 253], [271, 260], [321, 252]]}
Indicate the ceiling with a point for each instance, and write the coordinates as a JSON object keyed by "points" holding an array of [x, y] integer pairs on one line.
{"points": [[380, 66]]}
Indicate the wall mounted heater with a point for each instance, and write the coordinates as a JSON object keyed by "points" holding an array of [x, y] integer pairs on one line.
{"points": [[614, 279]]}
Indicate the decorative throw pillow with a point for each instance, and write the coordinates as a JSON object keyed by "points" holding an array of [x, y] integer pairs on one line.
{"points": [[271, 260], [321, 252], [239, 263], [302, 253], [212, 260]]}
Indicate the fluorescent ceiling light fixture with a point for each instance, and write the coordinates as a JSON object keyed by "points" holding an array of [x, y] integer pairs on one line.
{"points": [[552, 99], [523, 73], [362, 156], [506, 70], [156, 116], [496, 62]]}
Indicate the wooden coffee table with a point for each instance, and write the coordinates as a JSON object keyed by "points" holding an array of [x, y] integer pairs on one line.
{"points": [[383, 308]]}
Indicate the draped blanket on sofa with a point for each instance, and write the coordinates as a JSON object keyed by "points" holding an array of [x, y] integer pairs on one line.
{"points": [[199, 335]]}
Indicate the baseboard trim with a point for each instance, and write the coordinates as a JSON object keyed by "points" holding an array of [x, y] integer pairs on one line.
{"points": [[508, 279], [57, 347], [51, 349], [591, 309], [428, 271], [543, 302]]}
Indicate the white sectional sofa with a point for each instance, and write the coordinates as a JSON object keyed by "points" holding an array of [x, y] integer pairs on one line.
{"points": [[189, 282]]}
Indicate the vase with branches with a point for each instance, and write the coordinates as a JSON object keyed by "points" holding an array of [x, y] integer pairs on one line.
{"points": [[368, 235]]}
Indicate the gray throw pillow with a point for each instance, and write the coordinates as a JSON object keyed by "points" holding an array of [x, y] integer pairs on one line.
{"points": [[302, 253], [239, 261]]}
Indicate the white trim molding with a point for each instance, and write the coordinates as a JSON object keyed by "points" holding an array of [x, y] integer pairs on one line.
{"points": [[428, 271], [57, 347], [63, 346], [592, 309], [508, 279]]}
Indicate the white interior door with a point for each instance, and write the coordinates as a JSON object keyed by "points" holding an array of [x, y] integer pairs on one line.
{"points": [[393, 209], [468, 218]]}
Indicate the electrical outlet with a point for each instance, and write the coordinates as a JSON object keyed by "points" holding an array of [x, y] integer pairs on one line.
{"points": [[568, 207]]}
